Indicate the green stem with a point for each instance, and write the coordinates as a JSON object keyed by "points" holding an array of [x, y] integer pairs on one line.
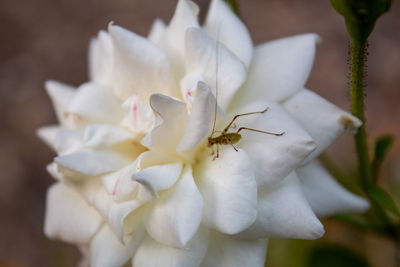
{"points": [[358, 57]]}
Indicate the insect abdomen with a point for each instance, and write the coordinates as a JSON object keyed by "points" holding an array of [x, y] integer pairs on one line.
{"points": [[225, 139]]}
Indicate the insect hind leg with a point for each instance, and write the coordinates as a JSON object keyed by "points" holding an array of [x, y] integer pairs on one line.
{"points": [[243, 114], [259, 131]]}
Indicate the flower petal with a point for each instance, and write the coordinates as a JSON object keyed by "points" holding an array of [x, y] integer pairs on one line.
{"points": [[283, 212], [321, 119], [101, 59], [68, 216], [185, 16], [153, 254], [94, 104], [61, 95], [48, 134], [325, 195], [279, 69], [157, 178], [175, 218], [92, 163], [140, 67], [199, 122], [224, 26], [171, 119], [229, 191], [139, 116], [115, 213], [157, 31], [226, 251], [67, 141], [273, 157], [103, 135], [212, 59], [107, 251]]}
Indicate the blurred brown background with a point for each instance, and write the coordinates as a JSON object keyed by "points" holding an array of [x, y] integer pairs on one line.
{"points": [[48, 39]]}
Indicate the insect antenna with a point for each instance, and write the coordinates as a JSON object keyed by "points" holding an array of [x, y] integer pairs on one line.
{"points": [[216, 78]]}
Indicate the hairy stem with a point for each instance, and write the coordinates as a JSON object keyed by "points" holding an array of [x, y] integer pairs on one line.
{"points": [[358, 57]]}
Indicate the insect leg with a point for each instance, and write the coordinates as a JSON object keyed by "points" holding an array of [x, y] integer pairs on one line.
{"points": [[234, 148], [259, 131], [243, 114]]}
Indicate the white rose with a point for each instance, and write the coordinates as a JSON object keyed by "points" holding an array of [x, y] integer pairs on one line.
{"points": [[135, 179]]}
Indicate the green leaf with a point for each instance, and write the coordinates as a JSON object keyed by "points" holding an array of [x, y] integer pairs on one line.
{"points": [[361, 15], [382, 198], [334, 256], [382, 147]]}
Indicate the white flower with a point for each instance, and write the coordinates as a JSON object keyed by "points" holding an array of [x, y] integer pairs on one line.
{"points": [[135, 178]]}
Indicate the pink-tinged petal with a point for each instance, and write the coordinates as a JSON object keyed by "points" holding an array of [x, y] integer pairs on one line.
{"points": [[101, 59], [283, 212], [279, 69], [153, 254], [120, 183], [175, 218], [325, 195], [174, 42], [171, 120], [103, 135], [94, 104], [91, 163], [211, 58], [320, 118], [116, 214], [223, 25], [273, 157], [229, 190], [61, 96], [139, 117], [140, 67], [157, 31], [107, 251], [226, 251], [68, 216], [199, 122]]}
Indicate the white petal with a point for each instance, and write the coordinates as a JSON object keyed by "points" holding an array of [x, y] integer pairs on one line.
{"points": [[273, 157], [321, 119], [68, 216], [139, 116], [157, 178], [153, 254], [175, 218], [185, 16], [171, 119], [116, 213], [54, 172], [212, 59], [61, 95], [283, 212], [229, 190], [48, 134], [223, 25], [67, 141], [107, 251], [94, 104], [140, 66], [279, 69], [102, 135], [157, 31], [101, 59], [325, 195], [199, 122], [92, 163], [226, 251]]}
